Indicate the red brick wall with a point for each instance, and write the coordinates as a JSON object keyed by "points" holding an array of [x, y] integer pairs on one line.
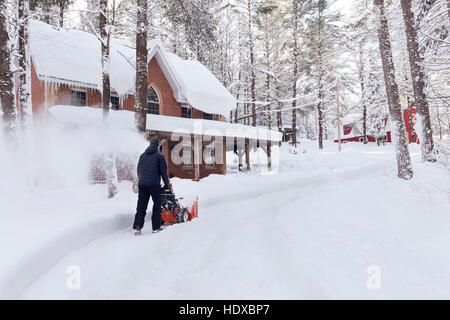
{"points": [[128, 102], [168, 105], [37, 93]]}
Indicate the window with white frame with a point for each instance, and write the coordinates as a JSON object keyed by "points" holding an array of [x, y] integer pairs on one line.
{"points": [[78, 97], [209, 156], [153, 101], [187, 155]]}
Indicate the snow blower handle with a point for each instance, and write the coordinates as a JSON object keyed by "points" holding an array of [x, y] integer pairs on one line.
{"points": [[168, 188]]}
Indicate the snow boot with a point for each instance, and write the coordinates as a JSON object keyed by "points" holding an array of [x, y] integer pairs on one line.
{"points": [[137, 231], [157, 230]]}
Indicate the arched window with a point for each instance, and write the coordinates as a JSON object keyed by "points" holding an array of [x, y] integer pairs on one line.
{"points": [[152, 101]]}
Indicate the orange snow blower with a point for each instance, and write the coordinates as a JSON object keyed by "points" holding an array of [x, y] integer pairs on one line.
{"points": [[174, 211]]}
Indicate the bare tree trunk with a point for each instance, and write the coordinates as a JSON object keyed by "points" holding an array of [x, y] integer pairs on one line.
{"points": [[141, 65], [105, 36], [238, 94], [295, 70], [279, 117], [61, 14], [417, 75], [401, 145], [448, 9], [320, 84], [24, 86], [363, 92], [6, 76], [269, 115], [439, 123], [252, 62], [320, 113]]}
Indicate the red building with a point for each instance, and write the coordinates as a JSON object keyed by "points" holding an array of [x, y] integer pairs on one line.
{"points": [[352, 128]]}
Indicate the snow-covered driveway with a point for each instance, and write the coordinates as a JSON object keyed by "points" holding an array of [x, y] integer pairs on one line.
{"points": [[317, 230]]}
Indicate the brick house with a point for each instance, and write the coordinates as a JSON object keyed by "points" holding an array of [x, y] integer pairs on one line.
{"points": [[66, 70]]}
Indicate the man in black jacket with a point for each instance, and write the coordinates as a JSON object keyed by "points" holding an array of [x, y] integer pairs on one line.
{"points": [[151, 168]]}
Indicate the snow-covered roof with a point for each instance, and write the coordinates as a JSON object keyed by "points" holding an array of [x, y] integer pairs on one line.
{"points": [[351, 118], [124, 119], [200, 87], [209, 127], [74, 57]]}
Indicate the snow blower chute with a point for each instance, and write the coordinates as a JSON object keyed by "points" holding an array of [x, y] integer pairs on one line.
{"points": [[175, 210]]}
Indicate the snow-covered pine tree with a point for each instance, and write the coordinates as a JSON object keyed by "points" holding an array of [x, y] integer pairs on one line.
{"points": [[6, 75], [321, 40], [50, 11], [375, 94], [89, 17], [360, 32], [62, 5], [399, 139], [268, 21]]}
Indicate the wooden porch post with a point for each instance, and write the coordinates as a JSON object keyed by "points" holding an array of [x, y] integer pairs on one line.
{"points": [[240, 153], [197, 157], [247, 155]]}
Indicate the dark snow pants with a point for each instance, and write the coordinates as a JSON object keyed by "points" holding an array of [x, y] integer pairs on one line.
{"points": [[144, 196]]}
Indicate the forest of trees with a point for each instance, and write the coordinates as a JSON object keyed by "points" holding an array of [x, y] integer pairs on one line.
{"points": [[281, 59]]}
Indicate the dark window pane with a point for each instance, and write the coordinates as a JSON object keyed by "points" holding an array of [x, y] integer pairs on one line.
{"points": [[78, 98], [207, 116], [186, 112], [152, 108], [115, 103], [152, 96], [152, 101]]}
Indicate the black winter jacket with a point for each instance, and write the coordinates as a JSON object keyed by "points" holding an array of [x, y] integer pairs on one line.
{"points": [[151, 167]]}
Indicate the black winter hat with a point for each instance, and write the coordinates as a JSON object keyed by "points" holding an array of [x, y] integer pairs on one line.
{"points": [[154, 142]]}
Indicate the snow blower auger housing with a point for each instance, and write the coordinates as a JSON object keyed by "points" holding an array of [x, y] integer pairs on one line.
{"points": [[174, 212]]}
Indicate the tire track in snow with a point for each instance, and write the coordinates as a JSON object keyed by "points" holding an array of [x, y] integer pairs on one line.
{"points": [[309, 279], [30, 268]]}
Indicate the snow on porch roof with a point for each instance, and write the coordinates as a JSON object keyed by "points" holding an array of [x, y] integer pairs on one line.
{"points": [[123, 119], [74, 57], [168, 124]]}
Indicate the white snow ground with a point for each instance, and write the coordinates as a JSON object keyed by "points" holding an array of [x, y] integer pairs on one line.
{"points": [[314, 229]]}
